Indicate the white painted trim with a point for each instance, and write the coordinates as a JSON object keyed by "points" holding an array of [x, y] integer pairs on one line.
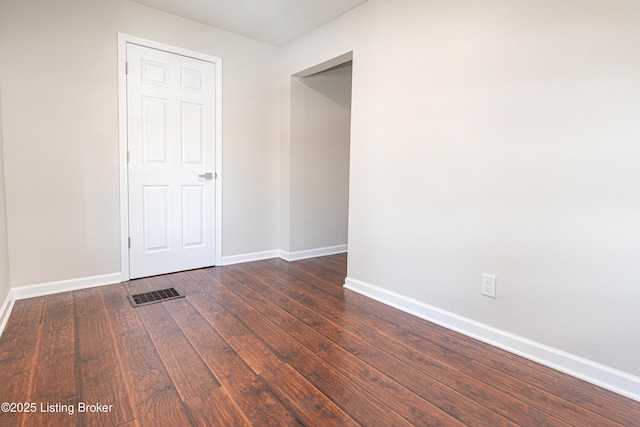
{"points": [[5, 310], [287, 256], [313, 253], [123, 144], [601, 375], [123, 39], [254, 256], [31, 291], [333, 62]]}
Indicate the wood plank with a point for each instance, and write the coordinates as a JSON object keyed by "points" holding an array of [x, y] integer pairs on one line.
{"points": [[182, 282], [613, 405], [304, 334], [19, 350], [433, 369], [85, 301], [375, 355], [349, 321], [323, 269], [25, 312], [216, 409], [311, 406], [154, 397], [463, 409], [272, 336], [188, 372], [55, 377], [547, 402], [277, 340], [522, 414], [357, 403], [132, 423], [407, 404], [252, 350], [122, 317], [294, 350], [250, 394], [194, 317], [292, 323], [101, 380], [392, 420], [496, 399], [435, 334], [536, 416], [368, 324], [58, 327], [429, 366], [291, 271], [397, 324], [550, 381]]}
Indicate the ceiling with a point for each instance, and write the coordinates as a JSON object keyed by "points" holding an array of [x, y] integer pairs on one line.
{"points": [[275, 22]]}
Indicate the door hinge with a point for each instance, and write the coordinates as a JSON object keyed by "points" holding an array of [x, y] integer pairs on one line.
{"points": [[126, 68], [128, 152], [129, 242]]}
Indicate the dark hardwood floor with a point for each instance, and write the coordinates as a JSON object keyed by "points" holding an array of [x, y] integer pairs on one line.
{"points": [[271, 343]]}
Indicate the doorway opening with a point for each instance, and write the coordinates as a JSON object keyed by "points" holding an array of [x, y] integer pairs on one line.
{"points": [[320, 158]]}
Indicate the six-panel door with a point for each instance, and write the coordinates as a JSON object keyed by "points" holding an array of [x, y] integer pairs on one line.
{"points": [[171, 143]]}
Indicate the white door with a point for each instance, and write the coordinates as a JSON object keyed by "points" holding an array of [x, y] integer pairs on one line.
{"points": [[171, 143]]}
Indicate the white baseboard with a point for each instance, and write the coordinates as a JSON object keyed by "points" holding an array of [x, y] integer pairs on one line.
{"points": [[601, 375], [254, 256], [5, 310], [287, 256], [38, 290], [30, 291], [313, 253]]}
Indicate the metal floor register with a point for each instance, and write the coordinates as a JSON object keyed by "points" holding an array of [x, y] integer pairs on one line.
{"points": [[152, 297]]}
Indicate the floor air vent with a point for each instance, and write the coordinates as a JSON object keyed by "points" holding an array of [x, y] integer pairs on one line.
{"points": [[154, 296]]}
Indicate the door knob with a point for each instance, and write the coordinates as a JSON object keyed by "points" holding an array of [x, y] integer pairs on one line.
{"points": [[206, 175]]}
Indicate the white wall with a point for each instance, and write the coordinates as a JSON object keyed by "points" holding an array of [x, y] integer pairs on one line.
{"points": [[497, 137], [320, 129], [4, 253], [60, 116]]}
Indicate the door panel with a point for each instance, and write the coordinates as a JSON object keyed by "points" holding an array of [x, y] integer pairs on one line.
{"points": [[192, 137], [155, 213], [193, 209], [171, 143], [154, 130]]}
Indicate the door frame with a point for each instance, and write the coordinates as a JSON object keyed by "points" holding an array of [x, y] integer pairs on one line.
{"points": [[123, 40]]}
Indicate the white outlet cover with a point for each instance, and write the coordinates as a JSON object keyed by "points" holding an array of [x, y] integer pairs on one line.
{"points": [[488, 285]]}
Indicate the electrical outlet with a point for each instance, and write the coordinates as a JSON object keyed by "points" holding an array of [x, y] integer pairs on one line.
{"points": [[488, 285]]}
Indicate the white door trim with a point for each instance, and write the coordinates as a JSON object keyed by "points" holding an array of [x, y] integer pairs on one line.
{"points": [[123, 39]]}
